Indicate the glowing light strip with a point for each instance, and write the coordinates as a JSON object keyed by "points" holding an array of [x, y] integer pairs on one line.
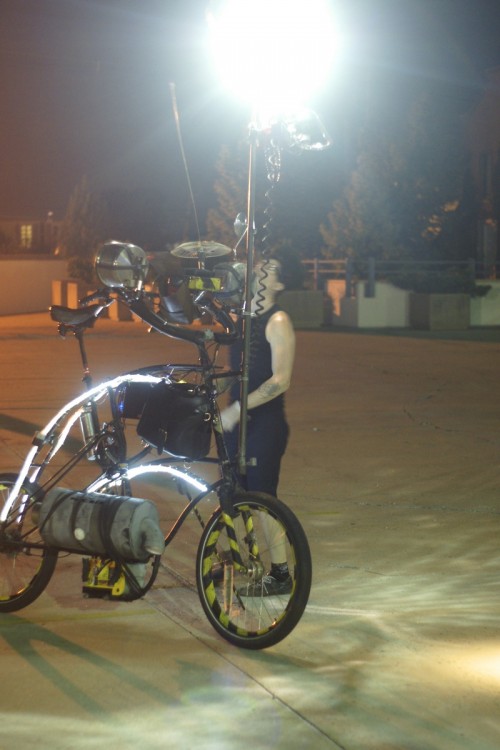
{"points": [[94, 394], [17, 486], [149, 469], [64, 433]]}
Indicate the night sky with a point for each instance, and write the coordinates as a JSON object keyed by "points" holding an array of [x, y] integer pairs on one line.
{"points": [[84, 86]]}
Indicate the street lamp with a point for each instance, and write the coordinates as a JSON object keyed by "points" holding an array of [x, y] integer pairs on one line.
{"points": [[274, 55]]}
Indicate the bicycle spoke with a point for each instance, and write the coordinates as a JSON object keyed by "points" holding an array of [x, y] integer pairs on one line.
{"points": [[241, 602]]}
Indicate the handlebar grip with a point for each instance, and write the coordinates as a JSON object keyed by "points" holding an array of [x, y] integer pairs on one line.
{"points": [[138, 307], [221, 315], [101, 294]]}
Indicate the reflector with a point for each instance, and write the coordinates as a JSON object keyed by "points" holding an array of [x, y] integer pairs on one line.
{"points": [[119, 264]]}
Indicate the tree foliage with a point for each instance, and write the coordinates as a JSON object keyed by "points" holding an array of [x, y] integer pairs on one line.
{"points": [[141, 217], [406, 193], [364, 220], [292, 197], [230, 190], [84, 226]]}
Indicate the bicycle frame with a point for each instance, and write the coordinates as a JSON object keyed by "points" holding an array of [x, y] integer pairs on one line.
{"points": [[119, 532], [49, 441]]}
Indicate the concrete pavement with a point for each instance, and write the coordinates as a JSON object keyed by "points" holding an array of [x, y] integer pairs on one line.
{"points": [[393, 470]]}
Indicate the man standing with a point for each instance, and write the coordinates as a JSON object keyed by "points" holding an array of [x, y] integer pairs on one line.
{"points": [[272, 350]]}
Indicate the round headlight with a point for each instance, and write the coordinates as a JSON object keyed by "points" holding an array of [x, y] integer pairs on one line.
{"points": [[119, 264]]}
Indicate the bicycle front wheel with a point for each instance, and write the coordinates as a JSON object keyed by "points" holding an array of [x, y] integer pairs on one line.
{"points": [[244, 605], [25, 570]]}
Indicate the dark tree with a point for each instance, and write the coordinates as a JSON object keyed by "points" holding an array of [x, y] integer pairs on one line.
{"points": [[404, 195], [230, 190], [293, 192], [84, 226]]}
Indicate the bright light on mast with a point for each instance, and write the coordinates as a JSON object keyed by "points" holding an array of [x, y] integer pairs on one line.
{"points": [[274, 54]]}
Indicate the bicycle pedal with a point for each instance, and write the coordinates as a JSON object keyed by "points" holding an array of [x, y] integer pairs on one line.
{"points": [[102, 578]]}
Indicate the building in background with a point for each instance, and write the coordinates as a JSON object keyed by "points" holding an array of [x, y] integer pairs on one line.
{"points": [[26, 234]]}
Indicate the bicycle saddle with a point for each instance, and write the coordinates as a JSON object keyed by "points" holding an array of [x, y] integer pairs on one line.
{"points": [[81, 317]]}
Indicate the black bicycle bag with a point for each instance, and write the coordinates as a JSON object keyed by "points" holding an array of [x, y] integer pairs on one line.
{"points": [[176, 419]]}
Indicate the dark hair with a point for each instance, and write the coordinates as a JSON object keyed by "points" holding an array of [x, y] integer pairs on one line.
{"points": [[291, 271]]}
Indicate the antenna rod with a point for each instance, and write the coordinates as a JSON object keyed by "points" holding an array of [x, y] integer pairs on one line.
{"points": [[183, 154]]}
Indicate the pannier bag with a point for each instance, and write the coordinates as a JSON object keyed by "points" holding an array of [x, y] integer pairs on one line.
{"points": [[132, 398], [176, 419]]}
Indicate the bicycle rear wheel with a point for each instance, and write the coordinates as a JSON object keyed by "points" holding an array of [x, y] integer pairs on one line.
{"points": [[238, 604], [25, 570]]}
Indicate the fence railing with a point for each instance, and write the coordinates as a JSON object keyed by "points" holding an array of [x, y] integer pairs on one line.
{"points": [[371, 270]]}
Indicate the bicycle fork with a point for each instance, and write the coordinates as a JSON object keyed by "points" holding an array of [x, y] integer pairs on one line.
{"points": [[253, 569]]}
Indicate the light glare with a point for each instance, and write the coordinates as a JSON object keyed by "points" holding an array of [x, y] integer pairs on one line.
{"points": [[273, 53]]}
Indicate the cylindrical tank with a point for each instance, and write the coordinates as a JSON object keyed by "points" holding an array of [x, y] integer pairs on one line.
{"points": [[96, 524]]}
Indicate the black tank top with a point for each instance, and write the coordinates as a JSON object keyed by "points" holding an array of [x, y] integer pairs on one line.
{"points": [[260, 362]]}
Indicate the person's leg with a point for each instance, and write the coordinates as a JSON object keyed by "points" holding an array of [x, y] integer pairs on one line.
{"points": [[267, 438], [267, 441]]}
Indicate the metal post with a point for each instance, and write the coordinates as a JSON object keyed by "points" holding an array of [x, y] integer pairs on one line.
{"points": [[370, 286], [316, 274], [247, 308], [348, 278]]}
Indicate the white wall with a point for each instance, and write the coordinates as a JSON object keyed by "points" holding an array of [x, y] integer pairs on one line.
{"points": [[388, 309], [26, 284], [485, 311]]}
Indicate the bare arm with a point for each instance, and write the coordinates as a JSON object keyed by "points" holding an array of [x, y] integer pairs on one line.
{"points": [[281, 337]]}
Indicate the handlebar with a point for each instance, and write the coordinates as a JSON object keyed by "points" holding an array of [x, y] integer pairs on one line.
{"points": [[85, 316], [196, 336], [222, 316]]}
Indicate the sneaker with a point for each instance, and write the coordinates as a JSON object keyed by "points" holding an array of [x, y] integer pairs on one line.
{"points": [[267, 586]]}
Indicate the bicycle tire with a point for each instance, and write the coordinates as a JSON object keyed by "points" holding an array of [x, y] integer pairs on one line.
{"points": [[256, 620], [26, 571]]}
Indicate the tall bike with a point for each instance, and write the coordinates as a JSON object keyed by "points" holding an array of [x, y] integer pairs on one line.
{"points": [[50, 507]]}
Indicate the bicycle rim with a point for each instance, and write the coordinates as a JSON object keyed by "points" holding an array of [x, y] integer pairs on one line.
{"points": [[25, 571], [237, 603]]}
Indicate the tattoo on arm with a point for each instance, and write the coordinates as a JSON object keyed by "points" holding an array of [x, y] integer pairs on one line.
{"points": [[268, 390]]}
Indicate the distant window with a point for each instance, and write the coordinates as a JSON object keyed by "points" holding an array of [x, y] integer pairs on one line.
{"points": [[26, 235]]}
